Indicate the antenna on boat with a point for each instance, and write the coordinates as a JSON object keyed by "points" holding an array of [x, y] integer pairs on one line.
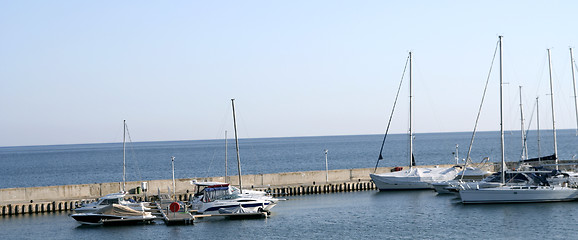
{"points": [[553, 118], [237, 146], [123, 157]]}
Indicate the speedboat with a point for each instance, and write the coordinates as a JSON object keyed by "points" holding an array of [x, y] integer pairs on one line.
{"points": [[113, 198], [218, 197], [114, 213], [413, 178]]}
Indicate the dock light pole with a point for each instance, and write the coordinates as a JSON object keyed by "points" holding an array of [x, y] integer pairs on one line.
{"points": [[174, 186], [326, 168]]}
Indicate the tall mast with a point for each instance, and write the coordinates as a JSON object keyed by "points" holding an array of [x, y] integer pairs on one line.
{"points": [[226, 159], [502, 117], [410, 117], [553, 118], [574, 82], [123, 156], [538, 129], [237, 146], [524, 146]]}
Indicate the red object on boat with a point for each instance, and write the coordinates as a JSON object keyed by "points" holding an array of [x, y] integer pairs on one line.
{"points": [[396, 169]]}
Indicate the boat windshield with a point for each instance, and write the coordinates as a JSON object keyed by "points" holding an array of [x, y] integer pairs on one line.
{"points": [[212, 193], [109, 201]]}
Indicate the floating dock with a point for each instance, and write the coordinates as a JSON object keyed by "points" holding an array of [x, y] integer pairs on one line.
{"points": [[188, 217]]}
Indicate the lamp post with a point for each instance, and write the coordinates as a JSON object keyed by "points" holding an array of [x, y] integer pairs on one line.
{"points": [[326, 168], [174, 190]]}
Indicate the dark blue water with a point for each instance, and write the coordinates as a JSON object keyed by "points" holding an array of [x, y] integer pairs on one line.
{"points": [[353, 215], [93, 163]]}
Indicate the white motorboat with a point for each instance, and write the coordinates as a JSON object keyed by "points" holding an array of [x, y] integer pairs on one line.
{"points": [[113, 198], [218, 197], [115, 214]]}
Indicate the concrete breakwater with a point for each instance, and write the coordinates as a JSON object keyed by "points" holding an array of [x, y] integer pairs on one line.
{"points": [[67, 197]]}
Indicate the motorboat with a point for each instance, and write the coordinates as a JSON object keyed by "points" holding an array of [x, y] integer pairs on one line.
{"points": [[218, 197], [114, 214], [113, 198]]}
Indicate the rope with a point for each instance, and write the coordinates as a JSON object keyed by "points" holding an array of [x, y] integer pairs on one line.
{"points": [[134, 154], [391, 115]]}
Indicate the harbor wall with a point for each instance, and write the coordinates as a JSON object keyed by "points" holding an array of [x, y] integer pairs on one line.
{"points": [[67, 197]]}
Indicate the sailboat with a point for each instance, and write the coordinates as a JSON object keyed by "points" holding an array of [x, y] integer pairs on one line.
{"points": [[412, 178], [222, 198], [508, 193], [114, 198]]}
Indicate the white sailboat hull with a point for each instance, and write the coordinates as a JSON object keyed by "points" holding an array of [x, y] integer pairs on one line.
{"points": [[518, 194], [416, 178]]}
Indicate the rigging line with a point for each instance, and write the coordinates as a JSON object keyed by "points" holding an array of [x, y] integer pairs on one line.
{"points": [[480, 108], [133, 154], [222, 128], [391, 115]]}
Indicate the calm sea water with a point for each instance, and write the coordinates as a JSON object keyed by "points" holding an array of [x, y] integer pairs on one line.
{"points": [[94, 163], [353, 215]]}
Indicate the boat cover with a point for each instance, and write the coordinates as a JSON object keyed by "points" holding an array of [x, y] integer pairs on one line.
{"points": [[118, 210]]}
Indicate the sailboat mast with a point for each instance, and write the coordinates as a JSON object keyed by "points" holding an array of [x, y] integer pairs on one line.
{"points": [[502, 117], [226, 160], [237, 146], [123, 156], [410, 115], [538, 130], [552, 101], [524, 146], [574, 82]]}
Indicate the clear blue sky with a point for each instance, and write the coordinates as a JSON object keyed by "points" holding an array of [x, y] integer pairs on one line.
{"points": [[71, 71]]}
